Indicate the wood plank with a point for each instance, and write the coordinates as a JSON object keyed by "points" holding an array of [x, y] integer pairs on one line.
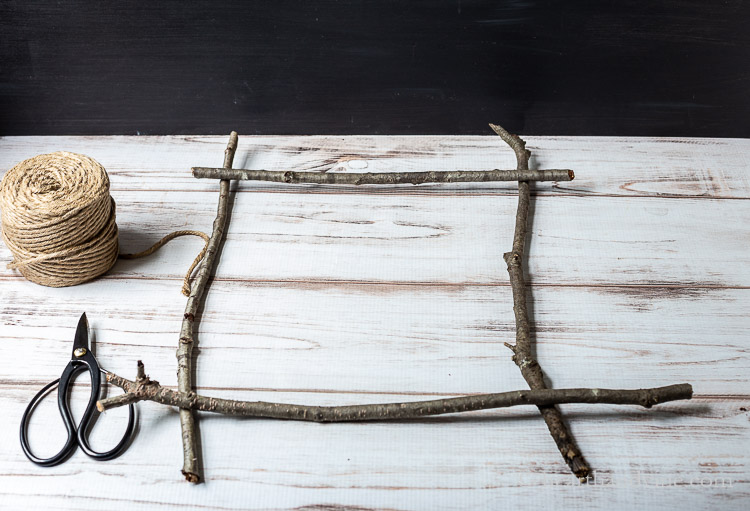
{"points": [[388, 339], [442, 239], [680, 452], [620, 166]]}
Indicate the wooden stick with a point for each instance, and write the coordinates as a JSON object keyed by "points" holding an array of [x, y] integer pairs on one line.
{"points": [[522, 350], [384, 178], [185, 359], [145, 389]]}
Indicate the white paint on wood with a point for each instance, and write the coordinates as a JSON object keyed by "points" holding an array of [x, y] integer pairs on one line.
{"points": [[638, 277], [345, 338], [632, 166], [443, 239]]}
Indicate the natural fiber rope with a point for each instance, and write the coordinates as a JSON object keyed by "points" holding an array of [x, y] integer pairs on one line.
{"points": [[156, 246], [58, 220]]}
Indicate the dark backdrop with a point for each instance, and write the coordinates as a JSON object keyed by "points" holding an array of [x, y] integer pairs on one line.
{"points": [[660, 67]]}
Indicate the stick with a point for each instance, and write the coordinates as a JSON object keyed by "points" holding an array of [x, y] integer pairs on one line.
{"points": [[145, 389], [384, 178], [522, 350], [185, 359]]}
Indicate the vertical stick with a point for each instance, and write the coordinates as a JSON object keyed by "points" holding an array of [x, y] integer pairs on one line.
{"points": [[522, 351], [185, 359]]}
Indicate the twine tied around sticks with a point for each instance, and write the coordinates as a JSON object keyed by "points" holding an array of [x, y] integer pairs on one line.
{"points": [[58, 220]]}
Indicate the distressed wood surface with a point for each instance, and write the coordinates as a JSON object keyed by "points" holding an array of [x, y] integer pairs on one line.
{"points": [[638, 277]]}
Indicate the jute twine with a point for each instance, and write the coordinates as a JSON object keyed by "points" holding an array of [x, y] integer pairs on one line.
{"points": [[58, 220]]}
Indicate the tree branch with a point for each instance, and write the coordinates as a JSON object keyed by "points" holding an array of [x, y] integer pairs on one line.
{"points": [[145, 389], [185, 358], [384, 178], [522, 351]]}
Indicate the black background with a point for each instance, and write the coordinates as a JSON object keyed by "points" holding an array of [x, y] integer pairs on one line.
{"points": [[674, 68]]}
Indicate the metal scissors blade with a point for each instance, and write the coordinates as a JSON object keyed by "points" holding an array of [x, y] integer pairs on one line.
{"points": [[81, 339]]}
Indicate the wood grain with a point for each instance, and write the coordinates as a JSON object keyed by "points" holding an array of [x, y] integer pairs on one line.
{"points": [[439, 339], [437, 463], [439, 239], [623, 166], [637, 278]]}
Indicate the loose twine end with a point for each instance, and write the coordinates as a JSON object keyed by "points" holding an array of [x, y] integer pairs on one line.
{"points": [[156, 246]]}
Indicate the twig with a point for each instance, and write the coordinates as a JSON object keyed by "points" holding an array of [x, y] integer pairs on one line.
{"points": [[128, 397], [150, 390], [522, 351], [185, 358], [384, 178]]}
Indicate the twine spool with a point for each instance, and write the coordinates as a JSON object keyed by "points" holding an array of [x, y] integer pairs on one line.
{"points": [[58, 220]]}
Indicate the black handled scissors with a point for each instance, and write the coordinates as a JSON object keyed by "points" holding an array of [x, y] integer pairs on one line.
{"points": [[81, 360]]}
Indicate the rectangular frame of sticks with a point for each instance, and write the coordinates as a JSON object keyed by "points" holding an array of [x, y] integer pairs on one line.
{"points": [[546, 399]]}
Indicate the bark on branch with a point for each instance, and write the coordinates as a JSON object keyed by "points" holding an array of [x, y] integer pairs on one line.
{"points": [[522, 350], [384, 178], [145, 389], [185, 360]]}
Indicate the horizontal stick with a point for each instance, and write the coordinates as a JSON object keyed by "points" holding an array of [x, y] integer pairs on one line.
{"points": [[152, 391], [384, 178]]}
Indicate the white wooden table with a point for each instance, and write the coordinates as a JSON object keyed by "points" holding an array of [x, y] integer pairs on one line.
{"points": [[639, 276]]}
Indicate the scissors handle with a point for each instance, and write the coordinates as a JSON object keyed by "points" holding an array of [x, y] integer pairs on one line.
{"points": [[76, 435]]}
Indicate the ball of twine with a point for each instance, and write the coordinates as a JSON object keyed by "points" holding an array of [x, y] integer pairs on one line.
{"points": [[58, 219]]}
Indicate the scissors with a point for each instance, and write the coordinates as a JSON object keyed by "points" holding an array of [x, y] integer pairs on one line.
{"points": [[81, 360]]}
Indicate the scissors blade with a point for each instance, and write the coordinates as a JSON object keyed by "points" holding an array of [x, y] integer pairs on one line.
{"points": [[81, 340]]}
